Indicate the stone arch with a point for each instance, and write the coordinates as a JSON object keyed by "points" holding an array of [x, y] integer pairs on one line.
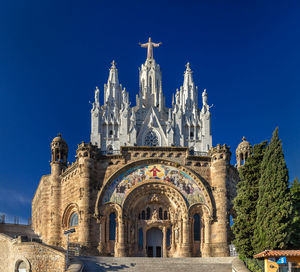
{"points": [[200, 181], [69, 210], [19, 260], [151, 189], [107, 245], [109, 208], [203, 209]]}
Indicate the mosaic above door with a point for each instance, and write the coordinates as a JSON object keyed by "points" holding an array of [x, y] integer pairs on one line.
{"points": [[135, 176]]}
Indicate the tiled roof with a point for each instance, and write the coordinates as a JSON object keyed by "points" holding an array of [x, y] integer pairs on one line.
{"points": [[277, 253]]}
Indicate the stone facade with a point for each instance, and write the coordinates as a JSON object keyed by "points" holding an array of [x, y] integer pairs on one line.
{"points": [[150, 122], [32, 256], [140, 189], [148, 184]]}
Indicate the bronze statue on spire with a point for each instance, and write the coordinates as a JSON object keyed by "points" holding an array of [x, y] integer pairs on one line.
{"points": [[149, 45]]}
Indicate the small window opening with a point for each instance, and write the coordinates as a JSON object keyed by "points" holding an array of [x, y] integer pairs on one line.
{"points": [[166, 215], [160, 214], [148, 213], [168, 237], [74, 220], [112, 226]]}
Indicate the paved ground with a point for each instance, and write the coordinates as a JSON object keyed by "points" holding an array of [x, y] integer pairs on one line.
{"points": [[156, 264]]}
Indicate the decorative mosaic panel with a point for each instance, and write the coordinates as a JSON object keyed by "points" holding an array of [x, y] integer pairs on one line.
{"points": [[121, 186]]}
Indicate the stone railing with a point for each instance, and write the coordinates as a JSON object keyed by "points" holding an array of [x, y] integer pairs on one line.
{"points": [[110, 152], [191, 152], [239, 266], [198, 153]]}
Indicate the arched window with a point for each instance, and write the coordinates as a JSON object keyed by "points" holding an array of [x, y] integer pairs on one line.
{"points": [[148, 214], [165, 215], [141, 241], [73, 220], [143, 215], [111, 133], [109, 149], [168, 237], [150, 83], [196, 227], [160, 214], [21, 267], [151, 139], [112, 226]]}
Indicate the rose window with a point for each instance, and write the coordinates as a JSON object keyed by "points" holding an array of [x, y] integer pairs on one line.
{"points": [[151, 139]]}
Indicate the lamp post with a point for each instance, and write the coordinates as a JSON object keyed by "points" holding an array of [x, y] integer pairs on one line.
{"points": [[67, 232]]}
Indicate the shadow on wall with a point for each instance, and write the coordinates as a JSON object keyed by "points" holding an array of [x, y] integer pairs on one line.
{"points": [[101, 266]]}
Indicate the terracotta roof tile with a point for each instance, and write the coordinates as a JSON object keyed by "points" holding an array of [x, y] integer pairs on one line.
{"points": [[277, 253]]}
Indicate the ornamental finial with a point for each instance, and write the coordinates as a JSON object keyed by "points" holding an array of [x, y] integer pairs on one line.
{"points": [[188, 66], [113, 64]]}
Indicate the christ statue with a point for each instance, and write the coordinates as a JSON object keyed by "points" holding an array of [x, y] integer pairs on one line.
{"points": [[149, 45]]}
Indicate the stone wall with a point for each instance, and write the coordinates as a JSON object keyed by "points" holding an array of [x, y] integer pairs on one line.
{"points": [[80, 183], [37, 257]]}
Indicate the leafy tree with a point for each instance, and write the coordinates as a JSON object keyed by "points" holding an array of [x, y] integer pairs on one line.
{"points": [[274, 206], [295, 226], [245, 202]]}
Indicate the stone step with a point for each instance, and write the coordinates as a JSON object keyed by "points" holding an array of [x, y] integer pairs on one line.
{"points": [[222, 264]]}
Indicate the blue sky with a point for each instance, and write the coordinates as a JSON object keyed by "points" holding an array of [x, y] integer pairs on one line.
{"points": [[54, 53]]}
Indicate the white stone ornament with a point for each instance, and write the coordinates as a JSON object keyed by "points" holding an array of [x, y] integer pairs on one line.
{"points": [[150, 122]]}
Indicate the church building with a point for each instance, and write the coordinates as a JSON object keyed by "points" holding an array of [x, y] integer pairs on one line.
{"points": [[149, 182]]}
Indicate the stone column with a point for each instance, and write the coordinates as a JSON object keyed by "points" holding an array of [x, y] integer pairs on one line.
{"points": [[173, 239], [165, 255], [84, 205], [220, 161], [186, 246], [86, 154], [206, 246], [144, 241], [55, 228], [107, 234], [101, 246], [121, 238]]}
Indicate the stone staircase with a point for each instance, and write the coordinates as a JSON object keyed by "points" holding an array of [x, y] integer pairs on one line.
{"points": [[216, 264]]}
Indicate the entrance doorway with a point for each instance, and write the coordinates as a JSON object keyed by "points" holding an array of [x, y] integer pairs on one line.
{"points": [[154, 242]]}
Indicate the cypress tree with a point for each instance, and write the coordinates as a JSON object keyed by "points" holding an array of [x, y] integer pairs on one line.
{"points": [[274, 205], [245, 202], [295, 226]]}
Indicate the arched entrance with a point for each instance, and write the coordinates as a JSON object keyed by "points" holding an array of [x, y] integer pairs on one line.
{"points": [[153, 202], [154, 242]]}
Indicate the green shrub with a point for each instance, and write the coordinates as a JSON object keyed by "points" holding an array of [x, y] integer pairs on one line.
{"points": [[254, 265]]}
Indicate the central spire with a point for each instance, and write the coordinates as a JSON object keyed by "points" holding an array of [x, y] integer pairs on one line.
{"points": [[149, 45]]}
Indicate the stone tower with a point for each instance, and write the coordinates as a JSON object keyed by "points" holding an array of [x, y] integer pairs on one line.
{"points": [[220, 163], [59, 157], [86, 154], [242, 152]]}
